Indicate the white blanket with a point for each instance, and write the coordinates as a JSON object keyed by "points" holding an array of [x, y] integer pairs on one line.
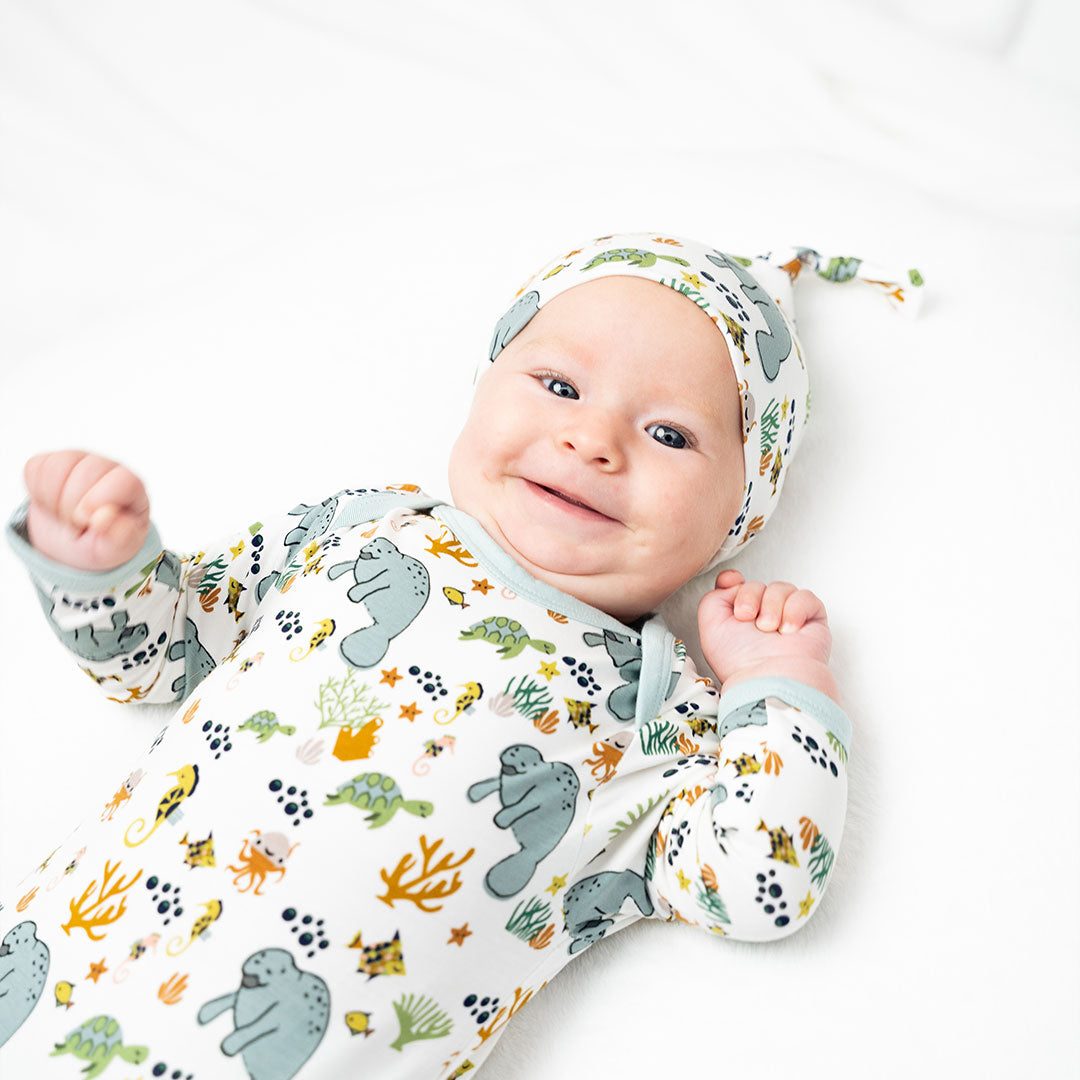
{"points": [[200, 209]]}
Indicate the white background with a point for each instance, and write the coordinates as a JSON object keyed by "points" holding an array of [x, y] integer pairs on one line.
{"points": [[254, 250]]}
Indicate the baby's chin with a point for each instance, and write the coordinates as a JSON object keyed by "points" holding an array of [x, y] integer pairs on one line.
{"points": [[587, 576]]}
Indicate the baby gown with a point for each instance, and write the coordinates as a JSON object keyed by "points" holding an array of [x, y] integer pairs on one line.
{"points": [[404, 785]]}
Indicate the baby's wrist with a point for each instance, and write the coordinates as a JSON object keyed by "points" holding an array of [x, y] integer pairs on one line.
{"points": [[802, 669]]}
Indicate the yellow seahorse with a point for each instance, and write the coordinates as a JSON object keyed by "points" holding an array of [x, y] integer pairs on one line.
{"points": [[325, 628], [187, 777], [200, 926]]}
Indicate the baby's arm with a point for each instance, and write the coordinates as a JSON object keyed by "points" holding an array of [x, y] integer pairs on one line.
{"points": [[748, 851], [749, 854], [146, 624]]}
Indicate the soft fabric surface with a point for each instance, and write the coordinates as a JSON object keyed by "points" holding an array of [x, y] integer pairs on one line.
{"points": [[196, 205]]}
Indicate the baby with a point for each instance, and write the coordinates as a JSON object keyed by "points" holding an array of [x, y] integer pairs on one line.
{"points": [[424, 754]]}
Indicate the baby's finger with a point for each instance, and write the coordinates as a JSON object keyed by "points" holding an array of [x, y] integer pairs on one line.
{"points": [[748, 600], [74, 504], [46, 474], [772, 604], [727, 578], [800, 608], [116, 489]]}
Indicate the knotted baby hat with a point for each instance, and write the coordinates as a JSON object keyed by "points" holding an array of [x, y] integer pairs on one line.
{"points": [[750, 302]]}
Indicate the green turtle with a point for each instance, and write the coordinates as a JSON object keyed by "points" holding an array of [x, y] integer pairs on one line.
{"points": [[508, 634], [378, 793], [264, 723], [99, 1041]]}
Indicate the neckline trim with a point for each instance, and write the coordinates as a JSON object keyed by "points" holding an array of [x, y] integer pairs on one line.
{"points": [[523, 583]]}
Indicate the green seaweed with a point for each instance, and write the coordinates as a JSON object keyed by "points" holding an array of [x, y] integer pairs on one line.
{"points": [[342, 704]]}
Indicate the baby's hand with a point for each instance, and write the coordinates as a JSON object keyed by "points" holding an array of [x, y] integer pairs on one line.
{"points": [[749, 629], [85, 510]]}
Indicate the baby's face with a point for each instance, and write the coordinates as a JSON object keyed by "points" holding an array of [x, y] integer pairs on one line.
{"points": [[618, 395]]}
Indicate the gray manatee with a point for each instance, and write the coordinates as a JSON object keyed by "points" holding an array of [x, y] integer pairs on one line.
{"points": [[773, 344], [24, 967], [280, 1015], [589, 905], [393, 587], [506, 329], [314, 521], [625, 653], [198, 663], [538, 799], [167, 570], [96, 643], [743, 716]]}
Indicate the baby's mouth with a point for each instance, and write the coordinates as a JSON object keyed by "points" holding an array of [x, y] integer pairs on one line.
{"points": [[562, 496], [567, 498]]}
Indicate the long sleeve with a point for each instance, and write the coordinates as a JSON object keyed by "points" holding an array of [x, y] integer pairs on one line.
{"points": [[748, 853], [153, 629]]}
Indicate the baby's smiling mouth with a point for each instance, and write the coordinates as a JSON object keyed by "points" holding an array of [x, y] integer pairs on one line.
{"points": [[570, 500]]}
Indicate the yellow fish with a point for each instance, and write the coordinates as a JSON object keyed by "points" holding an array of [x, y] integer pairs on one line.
{"points": [[357, 1022], [199, 852], [232, 601], [455, 596], [783, 850], [385, 958], [63, 994]]}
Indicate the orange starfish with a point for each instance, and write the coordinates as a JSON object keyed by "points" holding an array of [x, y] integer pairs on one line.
{"points": [[459, 934]]}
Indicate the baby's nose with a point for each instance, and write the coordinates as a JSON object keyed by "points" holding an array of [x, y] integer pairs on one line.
{"points": [[596, 440]]}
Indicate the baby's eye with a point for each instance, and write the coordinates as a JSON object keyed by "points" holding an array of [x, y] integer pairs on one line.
{"points": [[559, 387], [669, 436]]}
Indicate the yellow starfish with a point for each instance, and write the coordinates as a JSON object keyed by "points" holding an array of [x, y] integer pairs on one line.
{"points": [[548, 670], [390, 677], [805, 905], [557, 882], [684, 881]]}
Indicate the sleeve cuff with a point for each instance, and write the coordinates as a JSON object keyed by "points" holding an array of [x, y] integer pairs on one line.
{"points": [[49, 573], [802, 697]]}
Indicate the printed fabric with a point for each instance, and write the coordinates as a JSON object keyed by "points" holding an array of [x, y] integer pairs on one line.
{"points": [[404, 785]]}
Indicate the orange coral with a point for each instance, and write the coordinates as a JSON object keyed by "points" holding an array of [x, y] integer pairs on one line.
{"points": [[548, 723], [773, 761], [172, 990], [84, 907], [399, 889], [686, 744], [542, 939], [808, 831]]}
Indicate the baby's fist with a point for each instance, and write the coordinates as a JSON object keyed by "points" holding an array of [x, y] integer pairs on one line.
{"points": [[750, 629], [85, 510]]}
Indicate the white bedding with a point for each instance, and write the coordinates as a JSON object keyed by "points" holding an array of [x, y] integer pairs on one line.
{"points": [[254, 249]]}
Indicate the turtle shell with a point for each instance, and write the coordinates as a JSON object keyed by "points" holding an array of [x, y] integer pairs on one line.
{"points": [[97, 1037]]}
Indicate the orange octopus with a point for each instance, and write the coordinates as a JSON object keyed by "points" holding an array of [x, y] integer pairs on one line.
{"points": [[266, 855]]}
